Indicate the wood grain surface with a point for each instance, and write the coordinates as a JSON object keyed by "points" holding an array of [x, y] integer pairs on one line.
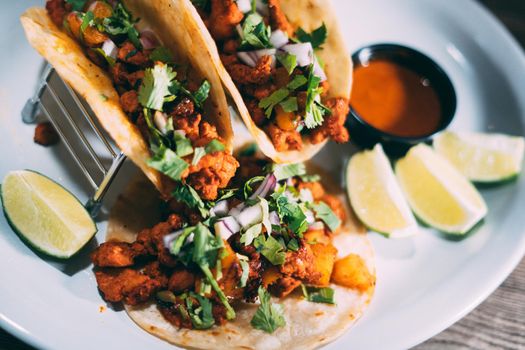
{"points": [[499, 322]]}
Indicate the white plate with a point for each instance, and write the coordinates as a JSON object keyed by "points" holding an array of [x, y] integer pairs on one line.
{"points": [[424, 284]]}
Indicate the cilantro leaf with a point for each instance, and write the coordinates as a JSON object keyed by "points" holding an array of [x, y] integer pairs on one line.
{"points": [[293, 245], [121, 22], [325, 213], [198, 153], [297, 82], [318, 295], [248, 189], [317, 37], [183, 146], [214, 146], [255, 34], [310, 178], [201, 316], [87, 21], [268, 316], [77, 5], [250, 234], [243, 261], [290, 213], [288, 61], [286, 171], [268, 103], [155, 86], [187, 194], [202, 93], [315, 111], [290, 104], [168, 163], [161, 54], [271, 249]]}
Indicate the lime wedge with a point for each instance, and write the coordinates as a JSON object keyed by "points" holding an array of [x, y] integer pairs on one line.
{"points": [[375, 195], [45, 214], [438, 193], [482, 157]]}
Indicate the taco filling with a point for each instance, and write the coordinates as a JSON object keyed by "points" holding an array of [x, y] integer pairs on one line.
{"points": [[164, 100], [266, 235], [277, 70]]}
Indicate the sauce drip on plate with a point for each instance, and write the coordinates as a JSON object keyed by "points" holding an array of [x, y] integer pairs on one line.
{"points": [[395, 100]]}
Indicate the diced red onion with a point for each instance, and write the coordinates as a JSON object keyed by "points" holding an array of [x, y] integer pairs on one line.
{"points": [[110, 49], [220, 208], [168, 239], [244, 5], [268, 185], [161, 121], [318, 71], [302, 51], [231, 223], [250, 216], [278, 38], [148, 39], [247, 58], [274, 218], [317, 225], [223, 230]]}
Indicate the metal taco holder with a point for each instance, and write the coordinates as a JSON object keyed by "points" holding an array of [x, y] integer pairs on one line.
{"points": [[92, 149]]}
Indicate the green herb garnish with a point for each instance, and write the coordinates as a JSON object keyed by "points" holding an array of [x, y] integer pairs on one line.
{"points": [[77, 5], [271, 249], [187, 195], [318, 295], [286, 171], [122, 23], [161, 54], [167, 162], [201, 316], [317, 37], [268, 316], [255, 34], [288, 61], [155, 88], [326, 214]]}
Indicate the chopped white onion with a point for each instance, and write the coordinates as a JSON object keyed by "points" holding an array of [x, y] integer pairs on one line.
{"points": [[262, 7], [304, 53], [268, 185], [246, 58], [317, 225], [161, 121], [222, 229], [168, 239], [231, 223], [264, 52], [244, 5], [318, 71], [148, 39], [250, 216], [278, 38], [238, 28], [274, 218], [310, 217], [305, 195], [110, 49], [220, 208]]}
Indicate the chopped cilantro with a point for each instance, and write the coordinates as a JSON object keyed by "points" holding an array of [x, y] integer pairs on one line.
{"points": [[310, 178], [293, 245], [255, 34], [77, 5], [268, 103], [326, 214], [243, 261], [297, 82], [315, 110], [250, 234], [288, 61], [110, 60], [87, 20], [183, 146], [168, 163], [290, 213], [318, 295], [198, 153], [214, 146], [271, 249], [161, 54], [248, 190], [268, 316], [155, 86], [290, 104], [202, 93], [286, 171], [187, 195], [121, 22], [201, 316], [317, 37]]}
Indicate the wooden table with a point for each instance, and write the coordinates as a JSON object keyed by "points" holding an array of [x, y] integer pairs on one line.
{"points": [[499, 322]]}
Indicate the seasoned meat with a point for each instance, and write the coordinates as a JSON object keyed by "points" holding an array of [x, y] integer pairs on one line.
{"points": [[91, 37], [300, 264], [256, 265], [125, 284], [207, 133], [189, 125], [256, 112], [57, 10], [243, 74], [119, 73], [259, 91], [158, 272], [213, 172], [130, 101], [130, 54], [284, 140], [45, 134], [184, 108], [278, 19], [315, 188], [181, 280], [230, 47], [172, 314], [333, 125], [113, 254], [224, 16], [284, 286]]}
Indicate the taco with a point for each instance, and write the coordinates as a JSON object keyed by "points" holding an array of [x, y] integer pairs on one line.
{"points": [[286, 67], [277, 263], [148, 82]]}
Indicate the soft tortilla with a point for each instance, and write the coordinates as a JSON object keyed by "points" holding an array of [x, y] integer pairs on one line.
{"points": [[168, 19], [309, 15], [308, 325]]}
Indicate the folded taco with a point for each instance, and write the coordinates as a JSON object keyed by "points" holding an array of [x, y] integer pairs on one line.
{"points": [[148, 82], [277, 262], [285, 65]]}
